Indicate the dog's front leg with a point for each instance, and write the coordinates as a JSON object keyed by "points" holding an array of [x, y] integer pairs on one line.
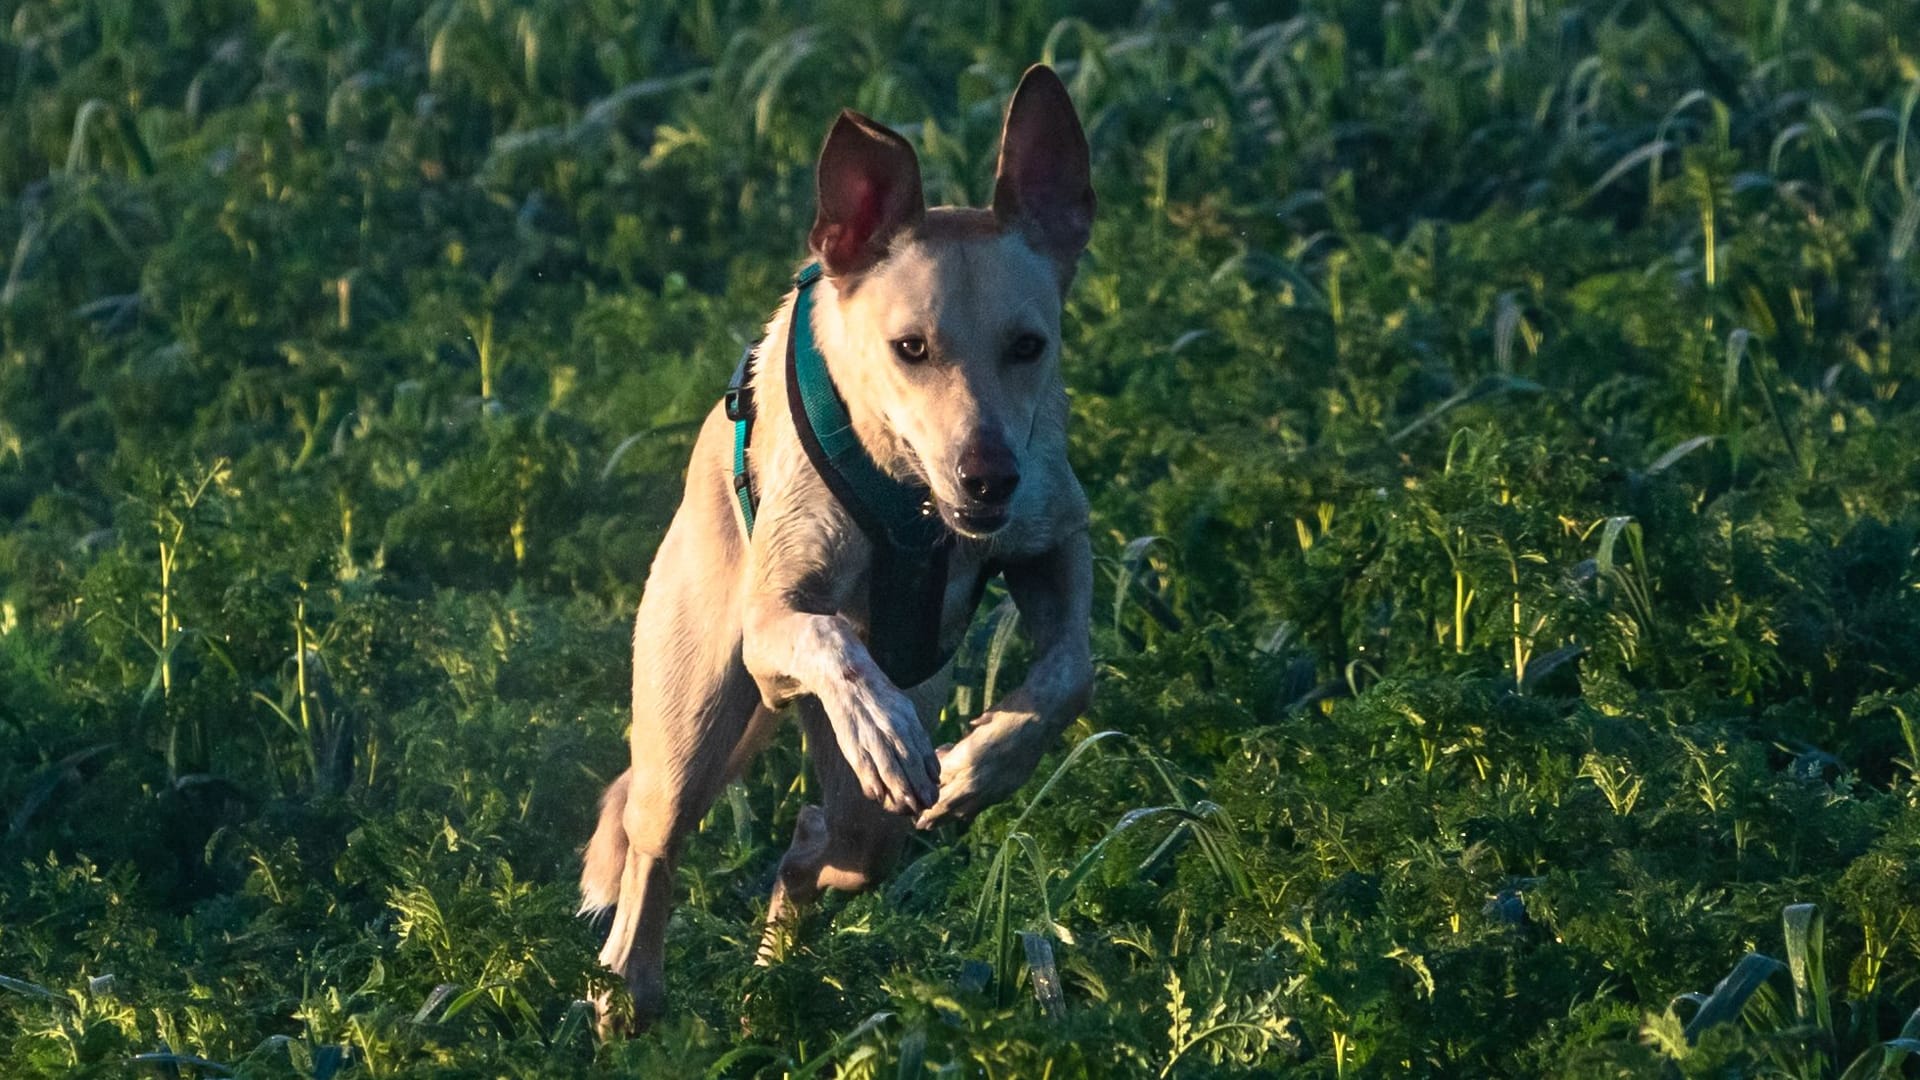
{"points": [[791, 653], [1054, 593]]}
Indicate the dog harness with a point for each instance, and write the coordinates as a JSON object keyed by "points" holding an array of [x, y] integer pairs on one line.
{"points": [[911, 545]]}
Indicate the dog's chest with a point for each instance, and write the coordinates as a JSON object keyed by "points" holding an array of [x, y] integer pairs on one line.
{"points": [[884, 609], [967, 574]]}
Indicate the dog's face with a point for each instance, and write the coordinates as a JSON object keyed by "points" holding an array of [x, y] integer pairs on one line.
{"points": [[948, 320], [957, 340]]}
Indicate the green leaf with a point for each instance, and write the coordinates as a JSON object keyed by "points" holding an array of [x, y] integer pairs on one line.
{"points": [[1731, 994]]}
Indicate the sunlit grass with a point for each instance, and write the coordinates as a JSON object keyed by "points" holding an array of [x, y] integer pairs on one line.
{"points": [[1499, 419]]}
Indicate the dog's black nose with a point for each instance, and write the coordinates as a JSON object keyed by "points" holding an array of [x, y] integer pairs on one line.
{"points": [[988, 472]]}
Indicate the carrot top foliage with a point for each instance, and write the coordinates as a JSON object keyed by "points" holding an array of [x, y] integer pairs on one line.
{"points": [[1503, 456]]}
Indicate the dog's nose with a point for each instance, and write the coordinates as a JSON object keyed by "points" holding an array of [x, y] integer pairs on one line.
{"points": [[988, 472]]}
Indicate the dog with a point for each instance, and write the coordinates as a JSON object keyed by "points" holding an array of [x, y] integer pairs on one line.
{"points": [[936, 332]]}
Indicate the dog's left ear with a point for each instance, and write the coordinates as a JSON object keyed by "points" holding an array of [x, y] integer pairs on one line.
{"points": [[869, 190], [1044, 184]]}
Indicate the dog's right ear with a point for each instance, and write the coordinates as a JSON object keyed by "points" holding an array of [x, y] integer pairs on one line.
{"points": [[1044, 185], [869, 183]]}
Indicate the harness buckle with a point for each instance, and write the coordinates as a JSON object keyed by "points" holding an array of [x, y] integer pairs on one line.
{"points": [[739, 396]]}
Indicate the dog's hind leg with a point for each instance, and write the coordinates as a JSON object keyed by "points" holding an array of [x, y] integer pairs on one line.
{"points": [[689, 727], [696, 719], [848, 842], [636, 942]]}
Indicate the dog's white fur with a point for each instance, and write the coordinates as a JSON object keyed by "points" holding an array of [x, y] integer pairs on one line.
{"points": [[730, 631]]}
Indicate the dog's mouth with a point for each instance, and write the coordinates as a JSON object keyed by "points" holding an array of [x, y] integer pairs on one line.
{"points": [[971, 520], [976, 522]]}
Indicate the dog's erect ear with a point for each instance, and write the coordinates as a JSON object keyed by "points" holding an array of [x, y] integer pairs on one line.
{"points": [[1044, 185], [869, 181]]}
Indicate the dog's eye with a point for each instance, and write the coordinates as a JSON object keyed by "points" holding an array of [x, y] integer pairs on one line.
{"points": [[1026, 348], [911, 349]]}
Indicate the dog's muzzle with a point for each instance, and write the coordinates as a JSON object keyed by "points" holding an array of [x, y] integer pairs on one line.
{"points": [[989, 474]]}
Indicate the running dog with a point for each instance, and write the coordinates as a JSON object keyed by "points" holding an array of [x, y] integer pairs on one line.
{"points": [[897, 437]]}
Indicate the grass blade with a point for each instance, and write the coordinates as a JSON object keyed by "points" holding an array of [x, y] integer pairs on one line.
{"points": [[434, 1001], [1672, 457], [865, 1027], [1063, 889], [1487, 386], [1730, 996], [1046, 976], [1805, 932], [1006, 621], [22, 986], [173, 1061]]}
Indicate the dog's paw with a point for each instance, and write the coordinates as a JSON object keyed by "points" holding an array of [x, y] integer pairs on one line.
{"points": [[984, 768], [881, 737], [623, 1012]]}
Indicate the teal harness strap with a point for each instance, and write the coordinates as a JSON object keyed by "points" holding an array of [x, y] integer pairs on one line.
{"points": [[889, 510], [911, 545]]}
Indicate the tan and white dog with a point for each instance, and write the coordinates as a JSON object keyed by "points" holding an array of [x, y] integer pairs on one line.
{"points": [[940, 329]]}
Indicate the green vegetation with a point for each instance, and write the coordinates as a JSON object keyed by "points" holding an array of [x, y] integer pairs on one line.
{"points": [[1502, 430]]}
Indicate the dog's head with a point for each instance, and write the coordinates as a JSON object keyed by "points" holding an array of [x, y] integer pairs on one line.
{"points": [[944, 325]]}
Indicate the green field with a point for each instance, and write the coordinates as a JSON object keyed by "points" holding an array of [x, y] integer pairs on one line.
{"points": [[1503, 456]]}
